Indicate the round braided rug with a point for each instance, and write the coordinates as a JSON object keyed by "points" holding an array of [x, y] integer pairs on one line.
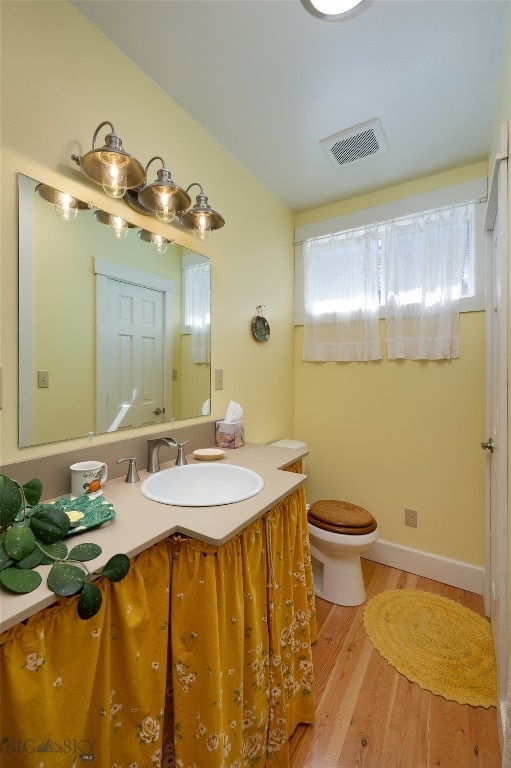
{"points": [[435, 642]]}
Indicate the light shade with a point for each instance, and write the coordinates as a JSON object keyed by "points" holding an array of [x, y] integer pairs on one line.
{"points": [[110, 165], [330, 9], [163, 196], [201, 219], [160, 243], [118, 225], [66, 206]]}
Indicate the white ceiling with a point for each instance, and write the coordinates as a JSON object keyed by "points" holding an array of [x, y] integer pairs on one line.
{"points": [[269, 81]]}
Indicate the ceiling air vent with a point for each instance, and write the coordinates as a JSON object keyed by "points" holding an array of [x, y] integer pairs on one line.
{"points": [[359, 143]]}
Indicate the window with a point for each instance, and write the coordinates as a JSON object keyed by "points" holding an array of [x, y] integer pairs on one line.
{"points": [[339, 248], [472, 287], [412, 268], [196, 309]]}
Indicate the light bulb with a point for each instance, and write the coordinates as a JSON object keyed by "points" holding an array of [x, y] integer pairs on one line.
{"points": [[119, 227], [160, 243], [202, 231], [164, 206], [64, 207], [114, 174]]}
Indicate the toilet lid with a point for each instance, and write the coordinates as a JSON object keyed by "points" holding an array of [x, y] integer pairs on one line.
{"points": [[341, 517]]}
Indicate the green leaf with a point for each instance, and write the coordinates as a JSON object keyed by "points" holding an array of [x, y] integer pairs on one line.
{"points": [[33, 491], [65, 579], [89, 601], [56, 551], [10, 500], [20, 581], [116, 568], [32, 560], [5, 560], [49, 523], [83, 552], [19, 541]]}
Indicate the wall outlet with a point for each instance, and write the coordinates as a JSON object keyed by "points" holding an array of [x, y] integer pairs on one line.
{"points": [[411, 517], [219, 378]]}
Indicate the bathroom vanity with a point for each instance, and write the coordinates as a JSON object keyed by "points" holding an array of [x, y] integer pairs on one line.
{"points": [[201, 655]]}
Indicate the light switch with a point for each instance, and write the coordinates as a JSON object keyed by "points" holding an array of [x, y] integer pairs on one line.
{"points": [[219, 378], [43, 379]]}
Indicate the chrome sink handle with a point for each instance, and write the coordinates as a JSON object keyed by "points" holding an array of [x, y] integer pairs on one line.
{"points": [[132, 474], [153, 464], [181, 458]]}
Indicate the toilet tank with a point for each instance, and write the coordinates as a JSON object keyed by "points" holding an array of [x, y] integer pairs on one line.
{"points": [[296, 444]]}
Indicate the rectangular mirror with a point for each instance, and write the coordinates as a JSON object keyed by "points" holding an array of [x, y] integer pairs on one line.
{"points": [[113, 334]]}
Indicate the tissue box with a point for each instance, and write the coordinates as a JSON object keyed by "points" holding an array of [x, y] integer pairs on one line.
{"points": [[230, 434]]}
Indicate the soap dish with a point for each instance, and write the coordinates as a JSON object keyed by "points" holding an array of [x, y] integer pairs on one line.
{"points": [[208, 454]]}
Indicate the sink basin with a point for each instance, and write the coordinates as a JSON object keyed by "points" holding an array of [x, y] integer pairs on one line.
{"points": [[202, 485]]}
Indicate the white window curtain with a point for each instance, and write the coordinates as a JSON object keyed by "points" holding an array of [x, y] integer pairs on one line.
{"points": [[197, 311], [341, 297], [423, 259]]}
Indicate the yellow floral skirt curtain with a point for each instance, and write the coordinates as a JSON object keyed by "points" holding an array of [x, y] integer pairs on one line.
{"points": [[292, 621], [75, 691], [241, 631], [221, 682]]}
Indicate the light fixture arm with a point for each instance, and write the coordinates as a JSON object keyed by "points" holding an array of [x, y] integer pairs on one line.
{"points": [[163, 174], [156, 157], [196, 184], [112, 134]]}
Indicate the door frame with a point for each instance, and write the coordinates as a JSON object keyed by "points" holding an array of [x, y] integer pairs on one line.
{"points": [[498, 202], [105, 270]]}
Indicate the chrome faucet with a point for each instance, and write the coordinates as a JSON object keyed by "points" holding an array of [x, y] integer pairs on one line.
{"points": [[153, 445]]}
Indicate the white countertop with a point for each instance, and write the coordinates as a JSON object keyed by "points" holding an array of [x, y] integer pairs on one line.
{"points": [[140, 522]]}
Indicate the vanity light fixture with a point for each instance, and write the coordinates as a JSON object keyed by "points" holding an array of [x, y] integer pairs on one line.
{"points": [[330, 9], [161, 243], [122, 175], [163, 197], [201, 219], [66, 206], [110, 165], [118, 225]]}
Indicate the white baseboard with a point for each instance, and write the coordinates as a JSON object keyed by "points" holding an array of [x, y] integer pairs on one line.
{"points": [[452, 572]]}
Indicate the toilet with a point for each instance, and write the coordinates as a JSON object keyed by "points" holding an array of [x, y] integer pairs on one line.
{"points": [[339, 534]]}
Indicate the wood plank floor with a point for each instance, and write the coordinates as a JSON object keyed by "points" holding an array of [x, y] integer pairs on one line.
{"points": [[368, 715]]}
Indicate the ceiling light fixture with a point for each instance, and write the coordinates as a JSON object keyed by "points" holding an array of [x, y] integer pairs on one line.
{"points": [[110, 165], [163, 197], [66, 206], [201, 219], [330, 9]]}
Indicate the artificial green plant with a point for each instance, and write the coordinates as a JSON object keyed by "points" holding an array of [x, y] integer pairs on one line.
{"points": [[31, 534]]}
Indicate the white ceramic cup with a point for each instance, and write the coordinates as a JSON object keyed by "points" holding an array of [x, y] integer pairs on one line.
{"points": [[87, 477]]}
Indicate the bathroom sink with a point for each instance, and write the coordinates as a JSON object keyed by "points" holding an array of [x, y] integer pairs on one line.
{"points": [[202, 485]]}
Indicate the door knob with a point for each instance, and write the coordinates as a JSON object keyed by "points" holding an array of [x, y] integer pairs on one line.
{"points": [[488, 446], [157, 411]]}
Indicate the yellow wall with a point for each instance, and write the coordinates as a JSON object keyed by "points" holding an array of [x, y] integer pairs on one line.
{"points": [[53, 96], [60, 78], [394, 434]]}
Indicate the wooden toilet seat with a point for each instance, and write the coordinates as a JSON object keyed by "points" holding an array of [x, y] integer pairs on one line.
{"points": [[341, 517]]}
